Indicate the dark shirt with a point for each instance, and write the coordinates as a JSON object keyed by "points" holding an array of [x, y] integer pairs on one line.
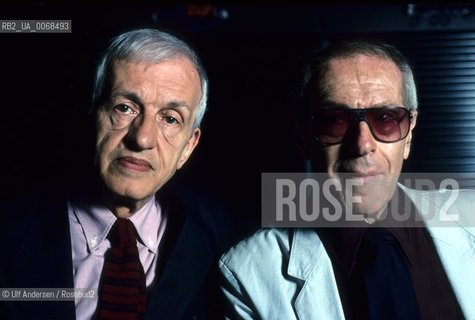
{"points": [[434, 294]]}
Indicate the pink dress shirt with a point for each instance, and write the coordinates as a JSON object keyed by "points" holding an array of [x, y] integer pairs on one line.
{"points": [[89, 226]]}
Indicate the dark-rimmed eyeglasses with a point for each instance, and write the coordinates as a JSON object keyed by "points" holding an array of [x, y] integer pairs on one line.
{"points": [[387, 124]]}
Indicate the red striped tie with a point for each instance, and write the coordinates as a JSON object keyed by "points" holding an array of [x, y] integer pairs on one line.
{"points": [[122, 295]]}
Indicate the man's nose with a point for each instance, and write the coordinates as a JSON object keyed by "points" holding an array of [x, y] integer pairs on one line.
{"points": [[365, 141], [142, 133]]}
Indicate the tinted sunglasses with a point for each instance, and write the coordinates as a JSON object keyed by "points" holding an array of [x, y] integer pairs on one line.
{"points": [[387, 124]]}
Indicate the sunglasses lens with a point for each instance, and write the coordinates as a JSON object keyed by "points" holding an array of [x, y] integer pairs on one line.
{"points": [[388, 125], [331, 125]]}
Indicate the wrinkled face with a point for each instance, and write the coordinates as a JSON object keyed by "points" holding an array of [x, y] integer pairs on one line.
{"points": [[145, 129], [365, 82]]}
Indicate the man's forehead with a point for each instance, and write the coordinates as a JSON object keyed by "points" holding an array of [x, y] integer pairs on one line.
{"points": [[362, 65], [177, 74], [183, 63], [363, 80]]}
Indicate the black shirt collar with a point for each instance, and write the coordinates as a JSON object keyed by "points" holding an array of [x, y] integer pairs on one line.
{"points": [[343, 243]]}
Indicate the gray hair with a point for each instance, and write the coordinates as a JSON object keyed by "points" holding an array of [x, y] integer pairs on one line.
{"points": [[149, 45], [318, 67]]}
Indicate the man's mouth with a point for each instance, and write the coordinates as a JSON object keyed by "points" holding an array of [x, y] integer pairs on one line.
{"points": [[360, 176], [134, 164]]}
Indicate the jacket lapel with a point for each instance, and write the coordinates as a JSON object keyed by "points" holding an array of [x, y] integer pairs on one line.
{"points": [[454, 241], [459, 263], [185, 258], [318, 297], [43, 259]]}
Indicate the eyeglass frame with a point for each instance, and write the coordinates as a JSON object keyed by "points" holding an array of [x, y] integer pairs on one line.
{"points": [[359, 114]]}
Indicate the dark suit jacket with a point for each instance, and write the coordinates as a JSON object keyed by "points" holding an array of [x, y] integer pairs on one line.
{"points": [[35, 249]]}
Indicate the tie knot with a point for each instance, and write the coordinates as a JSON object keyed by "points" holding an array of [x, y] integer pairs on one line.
{"points": [[123, 233]]}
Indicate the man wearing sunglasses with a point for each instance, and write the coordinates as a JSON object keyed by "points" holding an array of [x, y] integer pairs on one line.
{"points": [[360, 109]]}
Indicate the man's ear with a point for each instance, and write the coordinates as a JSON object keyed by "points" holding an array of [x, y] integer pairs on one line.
{"points": [[407, 144], [189, 147]]}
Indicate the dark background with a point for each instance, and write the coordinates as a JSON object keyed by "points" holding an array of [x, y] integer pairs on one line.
{"points": [[254, 55]]}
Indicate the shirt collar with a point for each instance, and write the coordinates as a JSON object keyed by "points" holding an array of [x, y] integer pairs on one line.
{"points": [[344, 243], [96, 221], [147, 221]]}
